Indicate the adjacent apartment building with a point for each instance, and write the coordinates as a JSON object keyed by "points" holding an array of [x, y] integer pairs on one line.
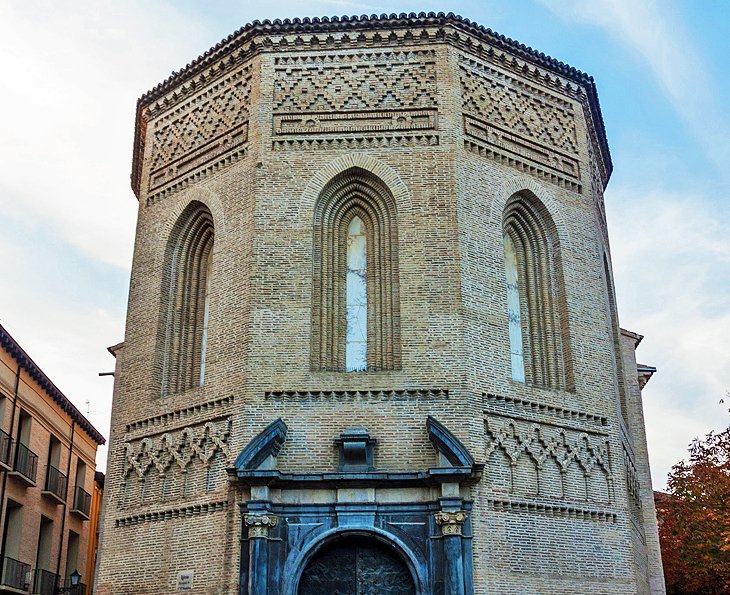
{"points": [[47, 464]]}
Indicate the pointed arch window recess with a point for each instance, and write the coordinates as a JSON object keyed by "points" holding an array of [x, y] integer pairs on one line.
{"points": [[186, 300], [536, 303], [355, 297]]}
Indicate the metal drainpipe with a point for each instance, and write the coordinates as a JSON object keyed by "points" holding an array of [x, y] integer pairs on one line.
{"points": [[5, 474], [68, 485]]}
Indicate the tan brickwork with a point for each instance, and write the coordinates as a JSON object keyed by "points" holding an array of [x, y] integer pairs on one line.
{"points": [[37, 481], [453, 121]]}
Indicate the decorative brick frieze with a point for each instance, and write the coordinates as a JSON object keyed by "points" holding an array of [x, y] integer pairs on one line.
{"points": [[180, 415], [172, 513], [361, 141], [342, 83], [359, 95], [506, 403], [557, 510], [413, 394], [367, 121], [200, 135], [519, 124], [548, 460], [179, 449]]}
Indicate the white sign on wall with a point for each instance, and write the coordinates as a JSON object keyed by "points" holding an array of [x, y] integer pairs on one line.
{"points": [[185, 580]]}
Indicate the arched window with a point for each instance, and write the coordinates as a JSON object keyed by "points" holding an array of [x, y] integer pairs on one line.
{"points": [[186, 300], [536, 305], [355, 298], [356, 290]]}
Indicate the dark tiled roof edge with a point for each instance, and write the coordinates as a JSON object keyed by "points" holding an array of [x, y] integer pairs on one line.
{"points": [[27, 363], [383, 21]]}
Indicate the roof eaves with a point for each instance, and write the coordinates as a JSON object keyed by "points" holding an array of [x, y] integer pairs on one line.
{"points": [[383, 21], [27, 363]]}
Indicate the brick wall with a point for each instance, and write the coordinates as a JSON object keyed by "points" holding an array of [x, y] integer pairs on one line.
{"points": [[454, 130]]}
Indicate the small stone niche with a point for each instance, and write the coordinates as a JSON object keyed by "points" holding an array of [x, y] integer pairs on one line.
{"points": [[355, 447]]}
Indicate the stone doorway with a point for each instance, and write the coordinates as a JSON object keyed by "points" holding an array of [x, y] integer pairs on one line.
{"points": [[356, 566]]}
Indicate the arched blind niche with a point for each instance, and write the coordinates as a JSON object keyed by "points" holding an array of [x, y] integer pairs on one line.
{"points": [[355, 297], [186, 299], [536, 304]]}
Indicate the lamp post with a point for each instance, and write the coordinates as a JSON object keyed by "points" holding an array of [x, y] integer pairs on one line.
{"points": [[74, 577]]}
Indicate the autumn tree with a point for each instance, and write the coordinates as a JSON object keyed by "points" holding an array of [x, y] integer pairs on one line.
{"points": [[694, 519]]}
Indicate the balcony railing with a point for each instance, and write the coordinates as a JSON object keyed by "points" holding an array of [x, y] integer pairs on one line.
{"points": [[79, 589], [44, 582], [6, 448], [56, 483], [16, 574], [26, 462], [82, 502]]}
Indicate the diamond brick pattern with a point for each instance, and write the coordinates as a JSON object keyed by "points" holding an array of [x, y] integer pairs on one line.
{"points": [[512, 109], [379, 80]]}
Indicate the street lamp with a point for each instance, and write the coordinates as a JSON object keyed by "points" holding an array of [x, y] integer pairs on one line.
{"points": [[74, 577]]}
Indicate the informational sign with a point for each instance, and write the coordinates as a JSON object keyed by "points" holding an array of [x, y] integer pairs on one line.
{"points": [[185, 580]]}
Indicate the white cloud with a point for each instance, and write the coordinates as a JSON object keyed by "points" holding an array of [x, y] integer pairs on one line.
{"points": [[671, 258], [654, 33], [71, 76]]}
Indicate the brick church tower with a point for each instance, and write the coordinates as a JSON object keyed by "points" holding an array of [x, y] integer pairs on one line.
{"points": [[372, 344]]}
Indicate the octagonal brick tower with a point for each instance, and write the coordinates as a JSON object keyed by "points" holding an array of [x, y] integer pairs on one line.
{"points": [[372, 341]]}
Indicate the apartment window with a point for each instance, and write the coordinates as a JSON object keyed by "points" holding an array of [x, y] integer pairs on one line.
{"points": [[15, 572], [536, 302], [72, 553], [26, 461], [355, 298], [45, 540], [81, 504], [56, 481], [5, 440], [80, 473], [44, 579]]}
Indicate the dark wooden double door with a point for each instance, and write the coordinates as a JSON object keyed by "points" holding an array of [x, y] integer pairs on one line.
{"points": [[356, 566]]}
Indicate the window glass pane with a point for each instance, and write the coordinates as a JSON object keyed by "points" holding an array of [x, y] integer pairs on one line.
{"points": [[206, 309], [357, 307], [513, 310]]}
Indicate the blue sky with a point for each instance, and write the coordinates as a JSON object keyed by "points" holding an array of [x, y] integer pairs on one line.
{"points": [[72, 72]]}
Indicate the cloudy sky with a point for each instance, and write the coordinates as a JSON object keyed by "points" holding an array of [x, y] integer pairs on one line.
{"points": [[72, 72]]}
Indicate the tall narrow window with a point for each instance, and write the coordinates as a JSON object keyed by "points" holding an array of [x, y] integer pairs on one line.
{"points": [[186, 300], [355, 299], [536, 304], [206, 314], [514, 315]]}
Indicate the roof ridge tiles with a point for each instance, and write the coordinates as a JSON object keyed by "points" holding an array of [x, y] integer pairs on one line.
{"points": [[304, 24]]}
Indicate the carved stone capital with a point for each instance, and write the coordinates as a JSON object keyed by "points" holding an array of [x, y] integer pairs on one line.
{"points": [[451, 523], [259, 524]]}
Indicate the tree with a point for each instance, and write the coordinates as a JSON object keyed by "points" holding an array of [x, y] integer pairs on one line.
{"points": [[694, 519]]}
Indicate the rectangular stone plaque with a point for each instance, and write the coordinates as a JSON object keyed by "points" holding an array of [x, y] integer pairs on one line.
{"points": [[185, 580]]}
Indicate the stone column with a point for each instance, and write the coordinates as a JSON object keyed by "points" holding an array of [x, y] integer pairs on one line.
{"points": [[258, 558], [452, 523]]}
